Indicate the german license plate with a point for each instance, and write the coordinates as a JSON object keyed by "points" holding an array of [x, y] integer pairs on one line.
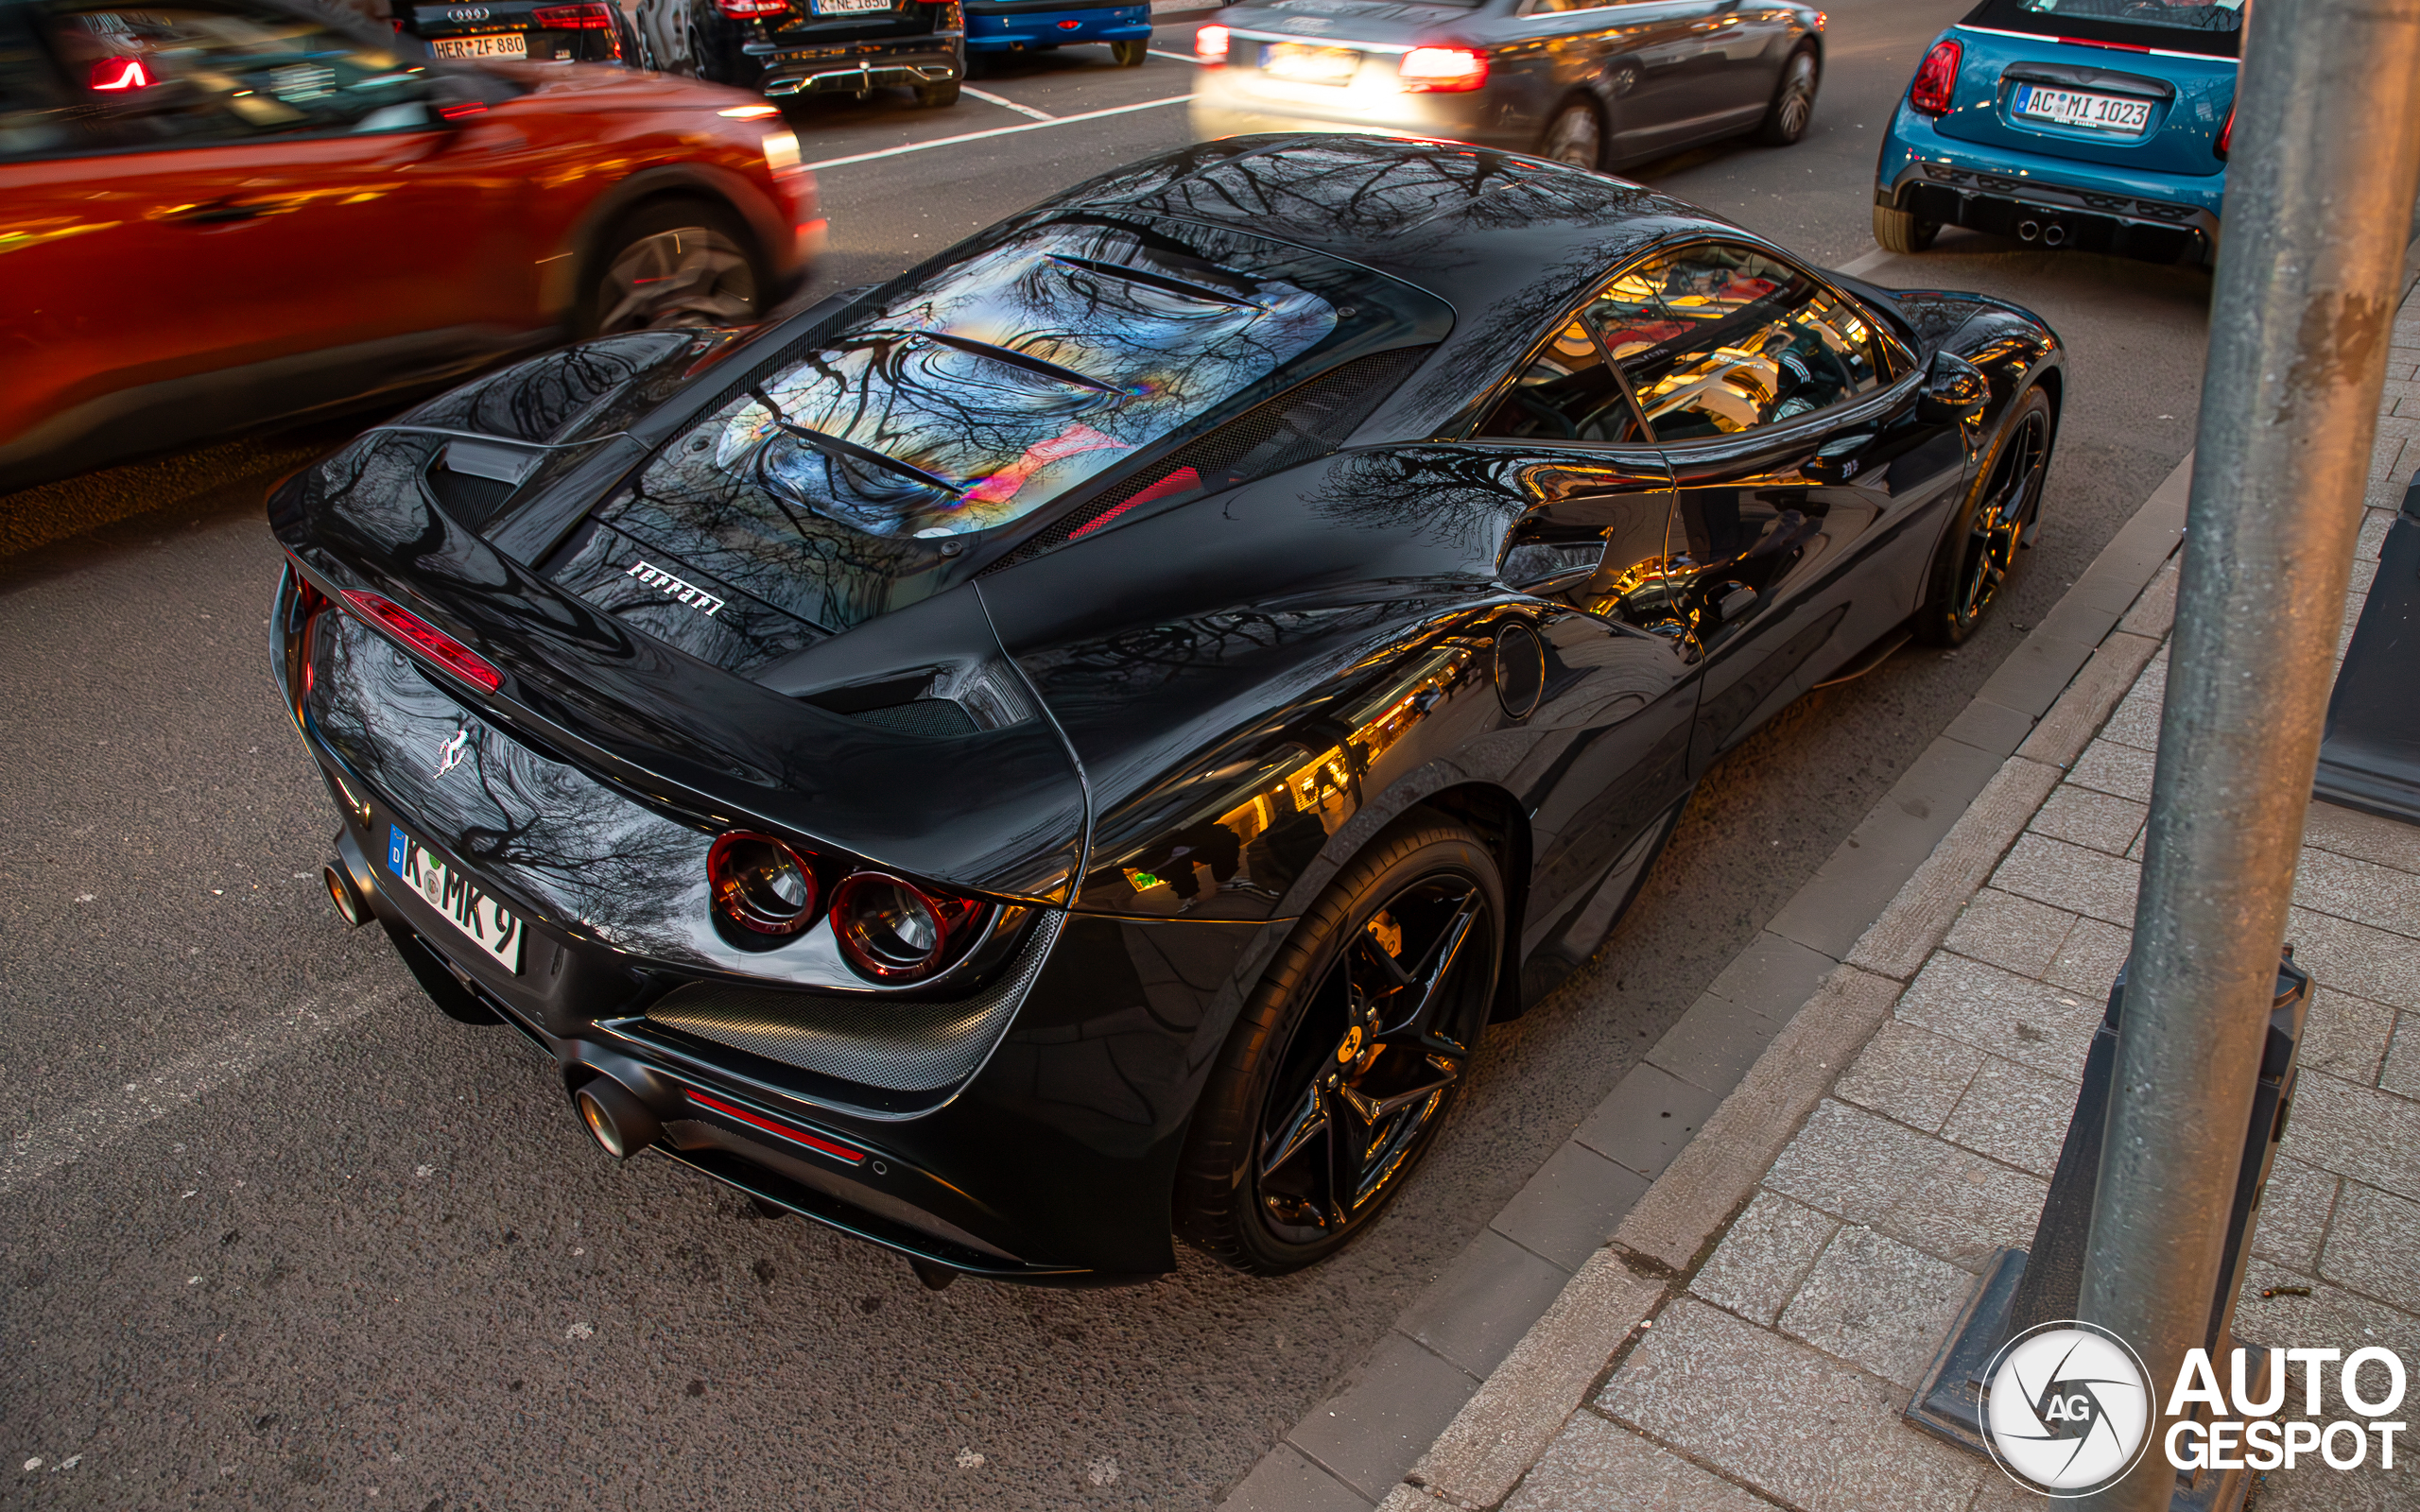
{"points": [[509, 44], [1306, 64], [462, 902], [849, 8], [2098, 113]]}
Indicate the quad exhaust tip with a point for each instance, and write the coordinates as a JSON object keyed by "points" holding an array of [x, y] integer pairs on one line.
{"points": [[616, 1117], [351, 906]]}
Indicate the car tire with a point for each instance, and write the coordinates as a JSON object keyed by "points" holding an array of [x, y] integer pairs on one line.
{"points": [[938, 97], [1128, 54], [674, 263], [1576, 135], [1793, 105], [1345, 1061], [1979, 552], [1899, 231]]}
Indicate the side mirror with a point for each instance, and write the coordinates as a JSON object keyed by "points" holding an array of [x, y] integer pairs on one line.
{"points": [[1955, 391]]}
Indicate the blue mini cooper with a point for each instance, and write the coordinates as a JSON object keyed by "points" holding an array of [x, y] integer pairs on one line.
{"points": [[2094, 124], [995, 28]]}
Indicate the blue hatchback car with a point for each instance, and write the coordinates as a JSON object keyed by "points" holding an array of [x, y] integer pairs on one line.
{"points": [[997, 28], [2099, 125]]}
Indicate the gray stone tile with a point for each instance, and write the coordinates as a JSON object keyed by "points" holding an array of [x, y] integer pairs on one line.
{"points": [[2110, 767], [1646, 1119], [2010, 1016], [1714, 1043], [1393, 1404], [2345, 1036], [2368, 963], [2371, 1245], [2293, 1214], [1912, 1075], [2086, 965], [2135, 721], [1489, 1295], [2362, 891], [2014, 1114], [2401, 1073], [1283, 1481], [2012, 932], [2096, 821], [2351, 833], [1783, 1419], [2373, 535], [1769, 1249], [2369, 1135], [2069, 876], [1944, 1200], [1989, 726], [1568, 1207], [2046, 661], [1593, 1465], [1872, 1300], [2155, 610], [1771, 976]]}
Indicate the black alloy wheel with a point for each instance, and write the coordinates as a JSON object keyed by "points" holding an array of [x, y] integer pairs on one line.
{"points": [[1979, 554], [1575, 136], [674, 263], [1345, 1063], [1128, 54], [1793, 107]]}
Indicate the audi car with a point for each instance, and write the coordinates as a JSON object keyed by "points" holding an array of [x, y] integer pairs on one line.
{"points": [[1071, 749], [580, 31], [2097, 125], [224, 212], [1586, 83]]}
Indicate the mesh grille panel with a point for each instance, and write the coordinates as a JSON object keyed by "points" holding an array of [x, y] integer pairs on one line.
{"points": [[921, 716], [473, 501], [875, 1042], [1303, 423]]}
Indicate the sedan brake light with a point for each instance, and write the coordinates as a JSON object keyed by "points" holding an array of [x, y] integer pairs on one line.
{"points": [[1210, 46], [751, 10], [1936, 78], [1443, 70], [425, 638], [590, 17]]}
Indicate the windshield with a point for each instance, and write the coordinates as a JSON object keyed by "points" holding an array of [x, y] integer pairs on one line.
{"points": [[2164, 24], [833, 484]]}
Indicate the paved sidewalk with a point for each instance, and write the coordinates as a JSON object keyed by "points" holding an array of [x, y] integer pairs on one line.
{"points": [[1754, 1329]]}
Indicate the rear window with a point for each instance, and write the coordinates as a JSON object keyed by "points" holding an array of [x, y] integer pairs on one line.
{"points": [[2171, 27], [949, 411]]}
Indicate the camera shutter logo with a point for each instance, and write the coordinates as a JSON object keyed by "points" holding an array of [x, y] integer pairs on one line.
{"points": [[2069, 1409]]}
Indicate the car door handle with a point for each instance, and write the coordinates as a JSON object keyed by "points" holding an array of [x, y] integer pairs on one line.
{"points": [[225, 211]]}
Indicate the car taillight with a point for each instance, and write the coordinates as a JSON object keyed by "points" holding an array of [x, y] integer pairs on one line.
{"points": [[425, 638], [112, 75], [1210, 46], [761, 884], [751, 10], [1936, 79], [895, 931], [1443, 70], [2226, 133], [588, 17]]}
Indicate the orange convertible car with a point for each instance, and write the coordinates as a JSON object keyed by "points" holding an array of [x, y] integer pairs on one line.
{"points": [[217, 213]]}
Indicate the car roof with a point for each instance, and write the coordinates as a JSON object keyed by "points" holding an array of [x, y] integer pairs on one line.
{"points": [[1510, 242]]}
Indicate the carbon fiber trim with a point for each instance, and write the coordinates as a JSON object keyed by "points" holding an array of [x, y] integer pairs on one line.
{"points": [[874, 1042]]}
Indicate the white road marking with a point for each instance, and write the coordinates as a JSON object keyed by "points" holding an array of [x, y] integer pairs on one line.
{"points": [[1860, 266], [989, 98], [997, 131], [1181, 57], [97, 1125]]}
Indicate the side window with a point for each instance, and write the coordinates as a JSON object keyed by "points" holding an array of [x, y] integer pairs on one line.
{"points": [[1569, 392], [1717, 338], [196, 74]]}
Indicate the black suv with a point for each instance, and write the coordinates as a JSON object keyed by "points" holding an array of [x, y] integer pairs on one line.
{"points": [[811, 46]]}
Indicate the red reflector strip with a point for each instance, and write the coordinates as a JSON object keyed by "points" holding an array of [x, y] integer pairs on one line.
{"points": [[455, 113], [425, 638], [1183, 480], [2087, 41], [800, 1136]]}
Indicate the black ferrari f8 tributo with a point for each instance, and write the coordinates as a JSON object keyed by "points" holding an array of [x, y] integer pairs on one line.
{"points": [[1072, 746]]}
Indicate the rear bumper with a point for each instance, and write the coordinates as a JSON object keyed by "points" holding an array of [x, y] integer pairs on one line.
{"points": [[854, 70], [1012, 30], [2159, 218]]}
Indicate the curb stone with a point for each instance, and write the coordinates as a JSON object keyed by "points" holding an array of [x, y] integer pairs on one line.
{"points": [[1772, 1032]]}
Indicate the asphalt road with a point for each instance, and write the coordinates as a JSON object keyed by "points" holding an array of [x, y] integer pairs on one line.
{"points": [[273, 1233]]}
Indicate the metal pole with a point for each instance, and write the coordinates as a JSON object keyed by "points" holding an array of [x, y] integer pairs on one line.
{"points": [[2326, 156]]}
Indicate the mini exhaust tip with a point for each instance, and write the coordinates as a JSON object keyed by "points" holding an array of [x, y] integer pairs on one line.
{"points": [[616, 1117], [2027, 230], [351, 906], [2053, 235]]}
